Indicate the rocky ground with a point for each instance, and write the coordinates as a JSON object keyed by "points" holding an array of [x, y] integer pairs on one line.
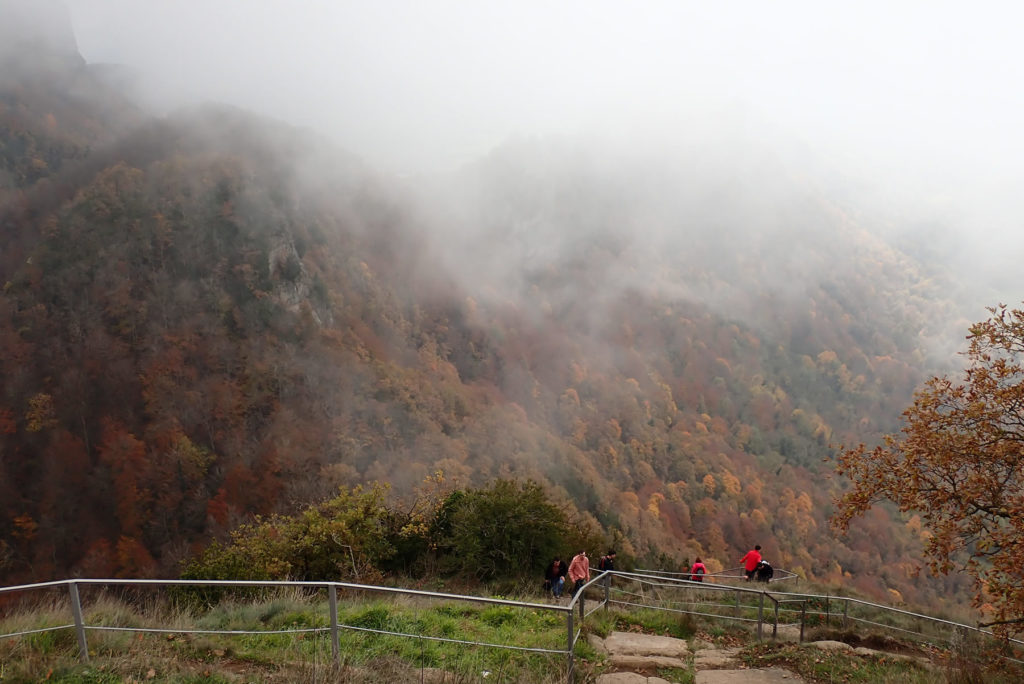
{"points": [[636, 658]]}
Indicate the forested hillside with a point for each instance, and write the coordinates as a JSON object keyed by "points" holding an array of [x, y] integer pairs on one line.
{"points": [[208, 316]]}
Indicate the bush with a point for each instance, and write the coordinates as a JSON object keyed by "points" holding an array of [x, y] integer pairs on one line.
{"points": [[506, 530], [330, 541]]}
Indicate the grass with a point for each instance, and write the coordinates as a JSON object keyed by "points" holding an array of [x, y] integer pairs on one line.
{"points": [[294, 643], [815, 665]]}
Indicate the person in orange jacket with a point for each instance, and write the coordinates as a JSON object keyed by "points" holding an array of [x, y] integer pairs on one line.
{"points": [[579, 571], [751, 560]]}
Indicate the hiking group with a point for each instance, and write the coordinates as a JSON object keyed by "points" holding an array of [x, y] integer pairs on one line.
{"points": [[578, 572], [756, 567]]}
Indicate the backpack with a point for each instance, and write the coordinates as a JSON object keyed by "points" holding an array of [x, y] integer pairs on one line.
{"points": [[602, 563]]}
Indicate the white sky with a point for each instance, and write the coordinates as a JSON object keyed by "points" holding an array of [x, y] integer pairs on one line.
{"points": [[923, 98], [431, 81]]}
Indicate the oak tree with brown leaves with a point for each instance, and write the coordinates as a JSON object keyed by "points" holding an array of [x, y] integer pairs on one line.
{"points": [[959, 463]]}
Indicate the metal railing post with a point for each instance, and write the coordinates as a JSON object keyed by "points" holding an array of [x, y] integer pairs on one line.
{"points": [[828, 610], [76, 609], [335, 644], [607, 589], [760, 618], [803, 619], [569, 648], [846, 608], [737, 611], [775, 627]]}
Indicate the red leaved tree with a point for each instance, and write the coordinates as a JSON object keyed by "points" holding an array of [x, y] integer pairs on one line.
{"points": [[959, 464]]}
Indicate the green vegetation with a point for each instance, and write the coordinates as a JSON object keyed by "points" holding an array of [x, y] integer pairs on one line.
{"points": [[815, 665], [292, 643], [505, 531], [648, 621], [295, 647]]}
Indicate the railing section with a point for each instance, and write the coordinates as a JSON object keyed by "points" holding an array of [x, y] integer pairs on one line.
{"points": [[672, 593], [79, 591]]}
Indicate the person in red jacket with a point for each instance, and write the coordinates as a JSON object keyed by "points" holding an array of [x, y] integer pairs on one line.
{"points": [[579, 571], [751, 560], [698, 571]]}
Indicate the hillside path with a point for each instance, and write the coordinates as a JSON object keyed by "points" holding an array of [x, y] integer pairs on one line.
{"points": [[637, 657]]}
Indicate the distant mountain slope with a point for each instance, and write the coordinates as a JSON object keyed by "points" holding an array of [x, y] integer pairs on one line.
{"points": [[210, 316]]}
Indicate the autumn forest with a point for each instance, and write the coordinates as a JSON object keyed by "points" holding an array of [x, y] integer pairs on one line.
{"points": [[207, 316]]}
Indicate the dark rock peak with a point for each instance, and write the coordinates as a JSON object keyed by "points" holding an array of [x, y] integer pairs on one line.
{"points": [[38, 32]]}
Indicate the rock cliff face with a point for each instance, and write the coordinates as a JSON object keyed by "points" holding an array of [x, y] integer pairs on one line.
{"points": [[38, 33]]}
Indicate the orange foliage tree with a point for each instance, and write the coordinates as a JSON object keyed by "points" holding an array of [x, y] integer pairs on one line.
{"points": [[959, 464]]}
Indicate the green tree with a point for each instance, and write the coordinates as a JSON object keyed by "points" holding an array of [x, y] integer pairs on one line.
{"points": [[508, 529], [959, 464]]}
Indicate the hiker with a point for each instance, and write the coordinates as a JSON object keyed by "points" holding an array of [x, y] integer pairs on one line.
{"points": [[554, 577], [751, 560], [697, 571], [579, 571], [607, 564], [764, 571]]}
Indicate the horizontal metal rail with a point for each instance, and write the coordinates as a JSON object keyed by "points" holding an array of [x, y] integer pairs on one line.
{"points": [[602, 582], [284, 583], [37, 631], [669, 583], [228, 632], [686, 612], [560, 651], [779, 576], [81, 627], [898, 611]]}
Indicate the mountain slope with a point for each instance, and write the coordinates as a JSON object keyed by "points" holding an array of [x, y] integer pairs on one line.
{"points": [[209, 316]]}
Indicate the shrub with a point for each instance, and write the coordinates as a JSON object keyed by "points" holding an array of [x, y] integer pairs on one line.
{"points": [[506, 530], [325, 542]]}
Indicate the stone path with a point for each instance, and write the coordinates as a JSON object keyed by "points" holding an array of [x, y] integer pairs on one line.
{"points": [[636, 658], [768, 675]]}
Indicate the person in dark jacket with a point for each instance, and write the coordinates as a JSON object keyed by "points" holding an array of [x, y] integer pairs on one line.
{"points": [[607, 562], [554, 576]]}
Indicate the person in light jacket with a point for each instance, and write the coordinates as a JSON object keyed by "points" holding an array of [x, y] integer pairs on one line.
{"points": [[579, 571]]}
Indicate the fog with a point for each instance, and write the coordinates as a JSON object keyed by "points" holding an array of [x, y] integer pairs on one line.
{"points": [[911, 109]]}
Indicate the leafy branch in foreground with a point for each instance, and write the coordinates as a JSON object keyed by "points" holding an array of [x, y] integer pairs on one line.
{"points": [[959, 463]]}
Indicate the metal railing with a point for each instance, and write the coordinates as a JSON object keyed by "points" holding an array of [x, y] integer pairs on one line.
{"points": [[82, 627], [757, 608], [704, 599], [813, 610], [729, 574]]}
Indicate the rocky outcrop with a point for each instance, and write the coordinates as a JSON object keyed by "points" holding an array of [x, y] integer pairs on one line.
{"points": [[38, 33]]}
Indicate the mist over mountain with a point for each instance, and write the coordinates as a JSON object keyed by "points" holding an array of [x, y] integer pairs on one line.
{"points": [[208, 315]]}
